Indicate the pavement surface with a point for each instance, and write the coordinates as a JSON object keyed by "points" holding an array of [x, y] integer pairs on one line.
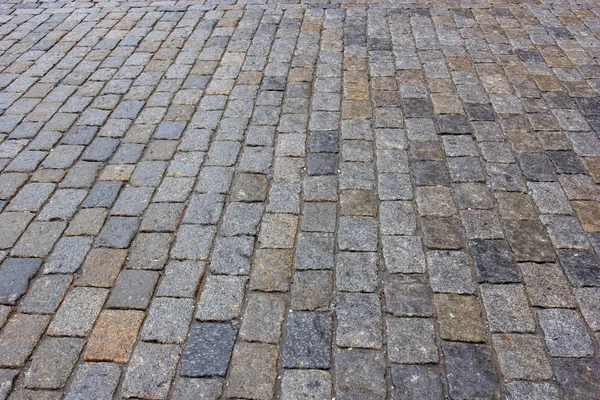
{"points": [[374, 200]]}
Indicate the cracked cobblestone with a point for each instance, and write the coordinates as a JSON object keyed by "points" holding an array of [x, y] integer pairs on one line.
{"points": [[295, 199]]}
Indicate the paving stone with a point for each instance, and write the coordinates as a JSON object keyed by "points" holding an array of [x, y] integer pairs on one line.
{"points": [[356, 272], [68, 254], [450, 272], [94, 380], [52, 362], [193, 242], [253, 371], [31, 197], [565, 333], [278, 231], [547, 285], [132, 201], [38, 239], [181, 279], [522, 357], [358, 202], [403, 254], [87, 221], [470, 370], [113, 336], [549, 198], [311, 290], [581, 267], [359, 320], [577, 378], [359, 374], [133, 289], [417, 381], [271, 271], [149, 251], [151, 370], [411, 340], [308, 339], [205, 389], [19, 337], [103, 194], [435, 201], [507, 308], [319, 217], [249, 187], [45, 294], [305, 384], [101, 267], [314, 251], [460, 318], [263, 318], [208, 349], [241, 219], [407, 296], [589, 304], [168, 320], [442, 233], [493, 261], [221, 298], [77, 312], [15, 274], [117, 232], [357, 233], [533, 390]]}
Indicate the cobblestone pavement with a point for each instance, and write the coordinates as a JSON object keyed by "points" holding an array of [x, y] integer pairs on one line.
{"points": [[299, 201]]}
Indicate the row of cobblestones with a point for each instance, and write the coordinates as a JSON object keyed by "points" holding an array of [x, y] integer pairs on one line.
{"points": [[298, 200]]}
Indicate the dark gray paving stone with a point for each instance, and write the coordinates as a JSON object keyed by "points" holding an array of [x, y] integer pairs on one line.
{"points": [[132, 201], [94, 380], [168, 320], [470, 370], [149, 251], [15, 274], [537, 167], [101, 149], [103, 194], [307, 342], [208, 349], [133, 289], [411, 340], [450, 272], [169, 130], [578, 378], [151, 370], [162, 217], [407, 296], [356, 272], [45, 294], [68, 254], [359, 320], [417, 382], [231, 255], [117, 232], [357, 234], [38, 239], [314, 251], [581, 267], [493, 261], [301, 384], [196, 388], [322, 164], [442, 233], [319, 217], [52, 362], [359, 374], [429, 172]]}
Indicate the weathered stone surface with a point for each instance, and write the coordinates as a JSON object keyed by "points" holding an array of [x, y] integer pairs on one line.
{"points": [[113, 336], [470, 370], [411, 340], [359, 320], [253, 371], [307, 343], [305, 384], [417, 382], [522, 357], [460, 318], [263, 317], [359, 374], [565, 333], [52, 362], [507, 308], [94, 380], [151, 370], [208, 349]]}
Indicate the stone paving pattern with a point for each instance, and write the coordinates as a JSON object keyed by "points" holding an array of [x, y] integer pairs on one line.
{"points": [[359, 200]]}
